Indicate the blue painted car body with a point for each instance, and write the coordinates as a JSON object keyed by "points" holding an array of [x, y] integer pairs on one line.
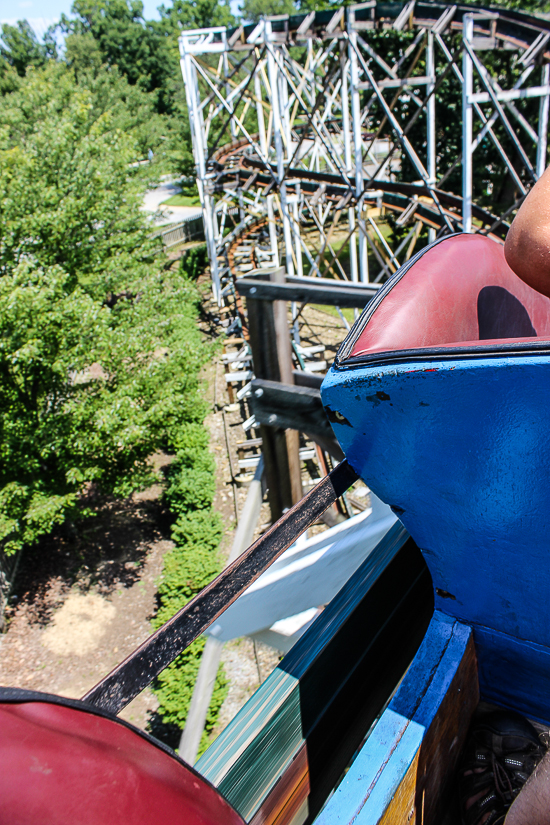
{"points": [[459, 445]]}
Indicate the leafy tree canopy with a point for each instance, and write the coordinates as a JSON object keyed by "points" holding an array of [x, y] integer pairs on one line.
{"points": [[20, 47], [99, 353], [255, 9], [194, 14], [114, 33]]}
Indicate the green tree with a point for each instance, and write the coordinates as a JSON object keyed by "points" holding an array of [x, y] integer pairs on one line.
{"points": [[194, 14], [114, 33], [99, 351], [129, 109], [22, 49], [255, 9], [69, 194]]}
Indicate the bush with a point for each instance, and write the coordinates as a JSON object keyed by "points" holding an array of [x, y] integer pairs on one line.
{"points": [[190, 566]]}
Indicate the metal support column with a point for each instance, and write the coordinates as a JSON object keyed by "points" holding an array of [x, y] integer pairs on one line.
{"points": [[273, 73], [430, 120], [225, 57], [347, 163], [542, 143], [467, 91], [358, 149], [198, 137], [265, 149]]}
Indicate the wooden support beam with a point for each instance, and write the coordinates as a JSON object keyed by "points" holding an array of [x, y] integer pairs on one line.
{"points": [[336, 293], [272, 358], [298, 407]]}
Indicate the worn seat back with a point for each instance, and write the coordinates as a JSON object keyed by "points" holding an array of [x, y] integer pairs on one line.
{"points": [[459, 290], [65, 763]]}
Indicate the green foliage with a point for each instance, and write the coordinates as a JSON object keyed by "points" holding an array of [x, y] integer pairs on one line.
{"points": [[192, 564], [194, 261], [129, 109], [255, 9], [194, 14], [189, 567], [115, 33], [536, 6], [21, 48], [67, 195], [99, 351], [174, 690]]}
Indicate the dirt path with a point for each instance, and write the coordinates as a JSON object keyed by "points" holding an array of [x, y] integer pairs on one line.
{"points": [[84, 601]]}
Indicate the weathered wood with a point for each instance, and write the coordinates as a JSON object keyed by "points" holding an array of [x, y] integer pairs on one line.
{"points": [[340, 294], [303, 378], [269, 337], [405, 771], [297, 407], [130, 677]]}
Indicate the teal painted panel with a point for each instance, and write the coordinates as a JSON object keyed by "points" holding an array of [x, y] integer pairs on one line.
{"points": [[253, 751]]}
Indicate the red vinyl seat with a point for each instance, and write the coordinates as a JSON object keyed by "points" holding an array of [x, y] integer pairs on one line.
{"points": [[458, 291], [65, 764]]}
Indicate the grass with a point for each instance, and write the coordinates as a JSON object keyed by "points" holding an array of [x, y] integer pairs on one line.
{"points": [[348, 313], [182, 200]]}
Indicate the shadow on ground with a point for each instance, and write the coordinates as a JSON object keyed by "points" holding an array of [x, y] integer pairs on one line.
{"points": [[105, 551]]}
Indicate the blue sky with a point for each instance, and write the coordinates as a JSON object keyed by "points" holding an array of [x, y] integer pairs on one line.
{"points": [[42, 13]]}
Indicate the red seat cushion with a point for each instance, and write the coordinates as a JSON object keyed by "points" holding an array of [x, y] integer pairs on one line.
{"points": [[63, 765], [460, 290]]}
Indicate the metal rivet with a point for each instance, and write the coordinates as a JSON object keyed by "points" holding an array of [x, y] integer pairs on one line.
{"points": [[253, 290], [259, 392], [272, 419]]}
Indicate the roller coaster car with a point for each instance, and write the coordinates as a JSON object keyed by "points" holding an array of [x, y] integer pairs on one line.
{"points": [[440, 400]]}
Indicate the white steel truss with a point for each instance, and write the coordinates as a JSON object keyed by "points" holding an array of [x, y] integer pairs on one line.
{"points": [[309, 131]]}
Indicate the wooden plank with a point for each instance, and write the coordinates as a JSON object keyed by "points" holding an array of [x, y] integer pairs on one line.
{"points": [[288, 405], [272, 357], [342, 296], [403, 773]]}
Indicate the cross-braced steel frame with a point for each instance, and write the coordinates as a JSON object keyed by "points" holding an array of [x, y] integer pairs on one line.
{"points": [[335, 142]]}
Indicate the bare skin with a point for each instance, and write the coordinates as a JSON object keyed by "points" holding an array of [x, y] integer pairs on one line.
{"points": [[527, 251], [532, 805], [527, 247]]}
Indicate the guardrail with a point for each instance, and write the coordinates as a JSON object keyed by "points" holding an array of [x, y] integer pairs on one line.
{"points": [[190, 229]]}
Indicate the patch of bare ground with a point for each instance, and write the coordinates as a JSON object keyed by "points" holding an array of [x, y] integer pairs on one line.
{"points": [[84, 598]]}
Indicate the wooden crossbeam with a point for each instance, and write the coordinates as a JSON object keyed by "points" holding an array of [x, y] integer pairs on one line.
{"points": [[340, 294]]}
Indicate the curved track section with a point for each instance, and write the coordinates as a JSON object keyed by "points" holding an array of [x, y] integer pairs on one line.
{"points": [[337, 142]]}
